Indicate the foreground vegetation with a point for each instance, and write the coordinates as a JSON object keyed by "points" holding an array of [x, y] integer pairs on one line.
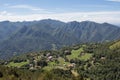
{"points": [[93, 61]]}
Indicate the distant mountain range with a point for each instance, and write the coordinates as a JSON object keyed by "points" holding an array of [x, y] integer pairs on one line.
{"points": [[21, 37]]}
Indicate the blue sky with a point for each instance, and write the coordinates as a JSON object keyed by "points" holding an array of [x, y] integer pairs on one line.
{"points": [[64, 10]]}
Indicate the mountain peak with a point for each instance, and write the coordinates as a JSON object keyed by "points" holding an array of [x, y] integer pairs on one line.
{"points": [[5, 21], [51, 20], [88, 22]]}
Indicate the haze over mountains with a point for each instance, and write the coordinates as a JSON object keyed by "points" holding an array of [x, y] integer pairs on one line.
{"points": [[21, 37]]}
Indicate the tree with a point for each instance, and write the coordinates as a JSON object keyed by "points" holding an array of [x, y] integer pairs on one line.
{"points": [[1, 74]]}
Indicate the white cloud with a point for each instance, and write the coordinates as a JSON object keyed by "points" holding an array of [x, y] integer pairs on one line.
{"points": [[110, 16], [26, 7], [5, 13], [114, 0]]}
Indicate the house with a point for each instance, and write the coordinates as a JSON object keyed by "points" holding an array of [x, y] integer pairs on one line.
{"points": [[72, 65], [50, 58], [48, 54], [67, 52], [103, 58], [82, 53]]}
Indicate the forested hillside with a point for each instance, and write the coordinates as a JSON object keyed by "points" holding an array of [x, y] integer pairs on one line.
{"points": [[90, 61]]}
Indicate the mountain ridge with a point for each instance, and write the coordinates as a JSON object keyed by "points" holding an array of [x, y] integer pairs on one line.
{"points": [[48, 33]]}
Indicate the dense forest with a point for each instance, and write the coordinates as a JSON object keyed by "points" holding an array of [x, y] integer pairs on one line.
{"points": [[88, 61]]}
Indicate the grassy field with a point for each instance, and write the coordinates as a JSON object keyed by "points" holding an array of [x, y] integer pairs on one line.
{"points": [[53, 65], [17, 64], [76, 53], [115, 46], [62, 61], [86, 57]]}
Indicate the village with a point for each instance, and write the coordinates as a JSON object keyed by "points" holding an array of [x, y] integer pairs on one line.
{"points": [[47, 60]]}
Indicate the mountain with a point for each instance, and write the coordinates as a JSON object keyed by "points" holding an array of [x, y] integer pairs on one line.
{"points": [[52, 34], [6, 29]]}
